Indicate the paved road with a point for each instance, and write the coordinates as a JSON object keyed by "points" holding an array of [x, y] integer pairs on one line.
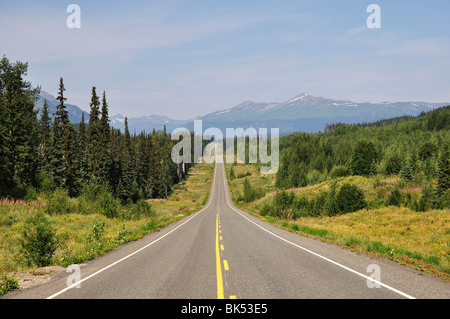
{"points": [[222, 252]]}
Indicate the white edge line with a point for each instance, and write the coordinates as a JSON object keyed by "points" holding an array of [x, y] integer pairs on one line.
{"points": [[135, 252], [316, 254]]}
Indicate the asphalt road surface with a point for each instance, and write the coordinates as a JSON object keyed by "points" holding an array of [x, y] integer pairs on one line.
{"points": [[223, 252]]}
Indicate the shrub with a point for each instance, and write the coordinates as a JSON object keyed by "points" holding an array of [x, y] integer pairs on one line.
{"points": [[265, 210], [394, 163], [58, 202], [242, 175], [232, 176], [315, 177], [350, 198], [375, 203], [109, 206], [38, 241], [394, 198], [407, 170], [91, 191], [31, 194], [339, 171], [142, 209], [301, 206], [364, 154], [45, 181], [443, 201], [318, 204], [98, 229], [427, 150], [7, 283], [282, 201], [331, 205], [251, 194], [426, 199]]}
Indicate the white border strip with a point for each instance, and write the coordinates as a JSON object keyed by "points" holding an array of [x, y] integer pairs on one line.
{"points": [[311, 252], [146, 246]]}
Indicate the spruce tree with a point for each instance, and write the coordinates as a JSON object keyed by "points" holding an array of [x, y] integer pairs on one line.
{"points": [[126, 180], [82, 151], [364, 154], [104, 153], [45, 138], [19, 127], [116, 168], [93, 133], [5, 151], [407, 170], [443, 183], [56, 155], [64, 135], [154, 166]]}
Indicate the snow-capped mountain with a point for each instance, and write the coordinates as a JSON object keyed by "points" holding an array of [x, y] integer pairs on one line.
{"points": [[309, 113]]}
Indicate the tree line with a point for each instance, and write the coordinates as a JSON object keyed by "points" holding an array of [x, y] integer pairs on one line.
{"points": [[46, 151]]}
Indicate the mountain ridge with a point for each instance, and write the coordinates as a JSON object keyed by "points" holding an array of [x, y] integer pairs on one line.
{"points": [[303, 112]]}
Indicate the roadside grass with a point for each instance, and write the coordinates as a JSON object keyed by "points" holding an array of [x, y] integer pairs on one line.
{"points": [[420, 240], [84, 236]]}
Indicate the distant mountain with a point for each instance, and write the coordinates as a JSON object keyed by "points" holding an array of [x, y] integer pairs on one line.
{"points": [[74, 111], [308, 113], [304, 112], [135, 125], [145, 123]]}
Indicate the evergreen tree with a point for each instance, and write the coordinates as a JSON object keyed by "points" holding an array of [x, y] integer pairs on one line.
{"points": [[45, 138], [56, 155], [104, 144], [364, 154], [63, 146], [126, 179], [83, 173], [94, 136], [19, 127], [134, 167], [154, 166], [443, 173], [350, 198], [116, 164], [142, 162], [5, 151], [407, 170]]}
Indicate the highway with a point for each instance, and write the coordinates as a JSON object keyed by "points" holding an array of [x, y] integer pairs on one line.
{"points": [[221, 252]]}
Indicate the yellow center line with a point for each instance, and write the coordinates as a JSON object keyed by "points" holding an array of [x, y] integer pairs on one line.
{"points": [[218, 263], [225, 265]]}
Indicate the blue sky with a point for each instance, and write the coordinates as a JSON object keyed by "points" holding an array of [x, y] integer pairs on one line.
{"points": [[188, 58]]}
